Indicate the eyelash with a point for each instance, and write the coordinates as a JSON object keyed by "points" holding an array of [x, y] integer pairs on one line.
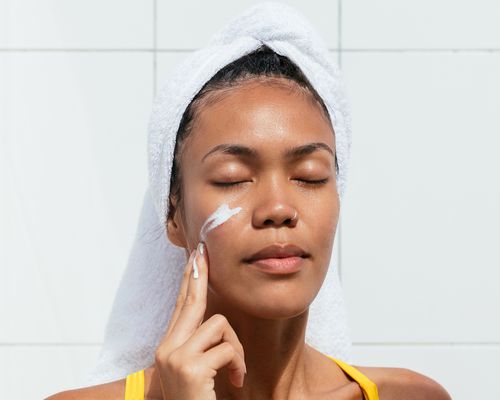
{"points": [[227, 185]]}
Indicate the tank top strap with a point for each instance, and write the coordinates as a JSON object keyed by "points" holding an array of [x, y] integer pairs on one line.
{"points": [[134, 386], [369, 388]]}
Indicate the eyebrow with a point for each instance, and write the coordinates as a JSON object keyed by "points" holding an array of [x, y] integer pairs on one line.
{"points": [[288, 153]]}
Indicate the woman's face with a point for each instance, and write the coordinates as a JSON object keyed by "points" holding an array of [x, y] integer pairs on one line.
{"points": [[269, 119]]}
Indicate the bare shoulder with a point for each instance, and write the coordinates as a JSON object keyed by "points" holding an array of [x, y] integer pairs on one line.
{"points": [[110, 391], [404, 384]]}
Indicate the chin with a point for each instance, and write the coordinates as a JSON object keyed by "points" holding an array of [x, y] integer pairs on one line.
{"points": [[275, 309], [268, 300]]}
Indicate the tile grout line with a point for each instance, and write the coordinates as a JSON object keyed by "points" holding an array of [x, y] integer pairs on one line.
{"points": [[419, 50], [339, 32], [155, 46], [153, 50], [41, 344], [76, 50], [339, 59], [423, 344]]}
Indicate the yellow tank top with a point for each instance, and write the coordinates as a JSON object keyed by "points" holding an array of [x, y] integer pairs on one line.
{"points": [[134, 384], [368, 387]]}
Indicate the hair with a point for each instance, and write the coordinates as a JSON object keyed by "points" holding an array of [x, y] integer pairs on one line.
{"points": [[261, 65]]}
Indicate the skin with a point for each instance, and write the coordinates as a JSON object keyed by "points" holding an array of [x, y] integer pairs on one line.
{"points": [[269, 314]]}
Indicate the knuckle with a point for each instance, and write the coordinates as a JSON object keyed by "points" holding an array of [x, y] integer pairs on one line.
{"points": [[172, 361], [180, 301], [228, 348], [201, 307], [189, 300], [165, 358], [194, 303], [160, 356], [219, 319], [188, 371]]}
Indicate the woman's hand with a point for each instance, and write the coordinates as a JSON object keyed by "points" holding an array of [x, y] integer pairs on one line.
{"points": [[191, 352]]}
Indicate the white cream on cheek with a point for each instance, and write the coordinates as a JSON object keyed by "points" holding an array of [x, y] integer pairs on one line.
{"points": [[218, 217]]}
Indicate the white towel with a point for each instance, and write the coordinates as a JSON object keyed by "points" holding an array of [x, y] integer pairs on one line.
{"points": [[147, 292]]}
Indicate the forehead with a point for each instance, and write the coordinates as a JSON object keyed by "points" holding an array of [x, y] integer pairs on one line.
{"points": [[262, 115]]}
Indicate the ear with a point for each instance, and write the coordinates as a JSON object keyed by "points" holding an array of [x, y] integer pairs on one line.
{"points": [[175, 229]]}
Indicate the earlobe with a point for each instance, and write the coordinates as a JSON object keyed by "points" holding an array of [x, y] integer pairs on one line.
{"points": [[175, 233]]}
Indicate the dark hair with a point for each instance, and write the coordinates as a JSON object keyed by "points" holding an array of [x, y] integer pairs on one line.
{"points": [[263, 64]]}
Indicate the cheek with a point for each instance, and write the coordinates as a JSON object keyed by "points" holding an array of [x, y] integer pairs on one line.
{"points": [[196, 213], [224, 244], [327, 223], [220, 252], [324, 230], [223, 265], [218, 228], [324, 212]]}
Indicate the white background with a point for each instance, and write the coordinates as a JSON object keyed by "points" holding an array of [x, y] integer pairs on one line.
{"points": [[419, 225]]}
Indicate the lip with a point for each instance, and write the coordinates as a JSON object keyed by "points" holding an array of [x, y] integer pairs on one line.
{"points": [[278, 250], [279, 266]]}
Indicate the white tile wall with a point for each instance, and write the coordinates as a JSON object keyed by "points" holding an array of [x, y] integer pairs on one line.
{"points": [[424, 24], [466, 371], [417, 230], [3, 167], [36, 371], [115, 24], [66, 113], [420, 227]]}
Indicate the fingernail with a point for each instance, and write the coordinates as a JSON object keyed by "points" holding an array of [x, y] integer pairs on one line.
{"points": [[195, 264], [195, 269]]}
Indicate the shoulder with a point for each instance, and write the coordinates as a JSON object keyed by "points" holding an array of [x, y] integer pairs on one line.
{"points": [[110, 391], [404, 384]]}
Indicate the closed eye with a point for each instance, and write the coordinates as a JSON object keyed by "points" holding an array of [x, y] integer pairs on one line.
{"points": [[227, 184], [316, 182], [304, 182]]}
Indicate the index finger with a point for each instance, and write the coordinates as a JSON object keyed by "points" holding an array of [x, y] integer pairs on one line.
{"points": [[181, 296], [192, 312]]}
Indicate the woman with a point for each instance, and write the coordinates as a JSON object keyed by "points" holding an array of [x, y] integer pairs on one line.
{"points": [[257, 136]]}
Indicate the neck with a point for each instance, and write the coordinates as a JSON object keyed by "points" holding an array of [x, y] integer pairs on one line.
{"points": [[276, 355]]}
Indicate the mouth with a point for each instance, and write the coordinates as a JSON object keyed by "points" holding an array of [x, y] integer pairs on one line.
{"points": [[279, 259], [279, 266]]}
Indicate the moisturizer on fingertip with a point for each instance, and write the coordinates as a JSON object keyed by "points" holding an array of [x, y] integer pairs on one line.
{"points": [[195, 271], [218, 217], [195, 266]]}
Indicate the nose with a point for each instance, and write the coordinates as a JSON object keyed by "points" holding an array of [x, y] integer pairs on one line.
{"points": [[275, 211], [276, 215]]}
